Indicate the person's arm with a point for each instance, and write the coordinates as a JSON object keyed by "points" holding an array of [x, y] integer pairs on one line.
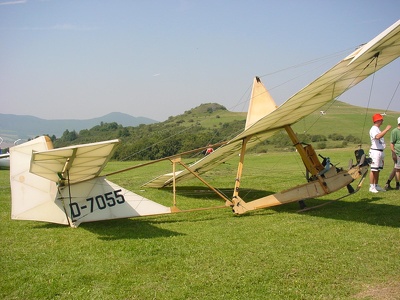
{"points": [[383, 132]]}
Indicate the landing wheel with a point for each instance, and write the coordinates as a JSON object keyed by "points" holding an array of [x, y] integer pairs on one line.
{"points": [[302, 204]]}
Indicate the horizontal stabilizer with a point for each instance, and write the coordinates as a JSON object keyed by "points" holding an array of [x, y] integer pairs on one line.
{"points": [[75, 163]]}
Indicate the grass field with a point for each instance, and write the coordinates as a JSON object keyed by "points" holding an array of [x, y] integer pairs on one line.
{"points": [[346, 250]]}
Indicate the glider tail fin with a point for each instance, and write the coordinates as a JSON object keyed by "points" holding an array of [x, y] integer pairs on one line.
{"points": [[261, 103]]}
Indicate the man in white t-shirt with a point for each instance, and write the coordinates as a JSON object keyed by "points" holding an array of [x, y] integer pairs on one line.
{"points": [[376, 152]]}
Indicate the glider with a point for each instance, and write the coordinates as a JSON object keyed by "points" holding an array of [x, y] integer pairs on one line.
{"points": [[64, 185], [5, 161]]}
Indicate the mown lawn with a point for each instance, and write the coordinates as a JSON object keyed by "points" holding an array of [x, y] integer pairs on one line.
{"points": [[346, 250]]}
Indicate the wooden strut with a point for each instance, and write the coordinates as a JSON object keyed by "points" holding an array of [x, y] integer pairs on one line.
{"points": [[240, 168], [174, 161], [309, 157], [70, 220]]}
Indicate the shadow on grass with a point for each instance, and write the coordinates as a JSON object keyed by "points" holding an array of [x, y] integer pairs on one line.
{"points": [[365, 210], [127, 229], [118, 229]]}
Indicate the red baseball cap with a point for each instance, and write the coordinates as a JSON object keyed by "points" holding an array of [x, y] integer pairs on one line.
{"points": [[377, 117]]}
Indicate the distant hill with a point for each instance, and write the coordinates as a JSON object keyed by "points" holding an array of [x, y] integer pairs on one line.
{"points": [[13, 127]]}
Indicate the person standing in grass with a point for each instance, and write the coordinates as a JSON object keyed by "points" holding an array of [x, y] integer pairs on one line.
{"points": [[376, 152], [395, 148]]}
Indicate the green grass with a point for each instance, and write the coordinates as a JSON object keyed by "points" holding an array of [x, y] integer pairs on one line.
{"points": [[340, 251]]}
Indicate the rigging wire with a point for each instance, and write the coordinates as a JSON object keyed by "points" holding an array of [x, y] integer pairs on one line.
{"points": [[370, 94], [243, 100], [390, 102], [154, 144], [330, 56], [375, 58]]}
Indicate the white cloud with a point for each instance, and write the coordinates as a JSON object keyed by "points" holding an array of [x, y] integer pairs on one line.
{"points": [[13, 2]]}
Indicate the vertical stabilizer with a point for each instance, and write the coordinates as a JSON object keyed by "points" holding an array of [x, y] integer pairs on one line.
{"points": [[33, 197], [261, 103]]}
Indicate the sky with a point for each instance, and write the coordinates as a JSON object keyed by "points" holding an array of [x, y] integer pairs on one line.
{"points": [[82, 59]]}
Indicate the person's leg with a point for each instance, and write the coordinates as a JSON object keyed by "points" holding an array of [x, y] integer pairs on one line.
{"points": [[373, 179], [397, 168], [397, 179], [390, 178], [374, 173]]}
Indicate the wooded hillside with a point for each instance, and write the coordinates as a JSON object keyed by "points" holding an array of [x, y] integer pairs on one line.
{"points": [[340, 125]]}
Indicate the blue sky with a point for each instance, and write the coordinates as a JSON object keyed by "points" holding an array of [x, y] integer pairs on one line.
{"points": [[81, 59]]}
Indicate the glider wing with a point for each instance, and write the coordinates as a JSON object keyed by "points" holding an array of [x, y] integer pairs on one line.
{"points": [[354, 68], [363, 62]]}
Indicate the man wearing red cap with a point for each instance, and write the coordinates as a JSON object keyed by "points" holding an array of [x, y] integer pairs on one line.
{"points": [[376, 152]]}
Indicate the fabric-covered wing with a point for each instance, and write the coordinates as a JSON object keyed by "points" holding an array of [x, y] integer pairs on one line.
{"points": [[363, 62], [73, 164]]}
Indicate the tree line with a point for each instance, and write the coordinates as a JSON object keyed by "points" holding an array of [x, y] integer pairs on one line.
{"points": [[154, 141]]}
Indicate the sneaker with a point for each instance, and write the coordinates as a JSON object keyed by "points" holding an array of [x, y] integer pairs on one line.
{"points": [[388, 187], [379, 189], [373, 190], [397, 187]]}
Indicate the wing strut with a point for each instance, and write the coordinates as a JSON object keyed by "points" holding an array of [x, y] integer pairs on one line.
{"points": [[309, 157], [174, 161], [240, 168], [62, 183]]}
